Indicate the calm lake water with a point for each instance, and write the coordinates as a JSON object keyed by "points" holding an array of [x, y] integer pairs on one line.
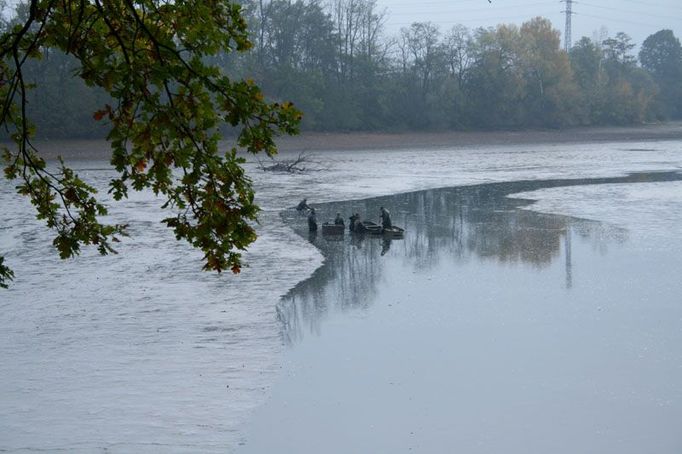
{"points": [[487, 326]]}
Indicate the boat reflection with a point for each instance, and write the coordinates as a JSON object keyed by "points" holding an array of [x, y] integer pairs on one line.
{"points": [[449, 224]]}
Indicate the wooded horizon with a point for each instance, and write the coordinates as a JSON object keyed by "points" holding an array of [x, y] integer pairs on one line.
{"points": [[336, 64]]}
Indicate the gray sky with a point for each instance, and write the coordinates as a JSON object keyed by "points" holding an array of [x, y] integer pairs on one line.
{"points": [[637, 18]]}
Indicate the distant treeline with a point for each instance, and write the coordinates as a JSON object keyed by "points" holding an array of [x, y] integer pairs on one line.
{"points": [[334, 61]]}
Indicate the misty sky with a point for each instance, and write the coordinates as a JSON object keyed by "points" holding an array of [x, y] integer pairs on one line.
{"points": [[637, 18]]}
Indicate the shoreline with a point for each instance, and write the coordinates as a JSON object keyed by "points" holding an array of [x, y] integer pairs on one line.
{"points": [[85, 149], [458, 139]]}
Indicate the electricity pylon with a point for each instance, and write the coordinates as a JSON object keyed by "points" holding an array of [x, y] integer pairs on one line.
{"points": [[567, 31]]}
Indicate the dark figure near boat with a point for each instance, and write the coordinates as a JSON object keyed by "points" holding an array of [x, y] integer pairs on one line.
{"points": [[385, 219], [385, 245], [353, 222], [302, 205], [312, 221], [339, 220]]}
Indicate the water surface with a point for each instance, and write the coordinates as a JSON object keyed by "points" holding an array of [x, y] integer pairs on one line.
{"points": [[143, 352], [488, 328]]}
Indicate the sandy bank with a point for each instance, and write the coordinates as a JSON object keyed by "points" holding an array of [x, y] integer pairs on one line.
{"points": [[309, 141], [354, 141]]}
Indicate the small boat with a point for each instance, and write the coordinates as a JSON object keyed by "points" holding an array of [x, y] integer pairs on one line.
{"points": [[368, 227], [393, 232], [332, 229]]}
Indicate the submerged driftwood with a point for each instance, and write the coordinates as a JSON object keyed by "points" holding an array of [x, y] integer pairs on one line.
{"points": [[294, 165]]}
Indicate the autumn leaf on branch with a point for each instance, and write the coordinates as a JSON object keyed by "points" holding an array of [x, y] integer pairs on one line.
{"points": [[150, 57]]}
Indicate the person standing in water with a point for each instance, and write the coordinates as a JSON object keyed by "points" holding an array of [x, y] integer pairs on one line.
{"points": [[339, 220], [385, 219], [312, 221], [353, 221]]}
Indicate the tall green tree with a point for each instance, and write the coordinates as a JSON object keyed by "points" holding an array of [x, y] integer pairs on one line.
{"points": [[587, 65], [423, 65], [495, 86], [661, 55], [150, 57], [356, 93], [61, 104], [294, 56], [457, 52], [629, 92], [618, 50]]}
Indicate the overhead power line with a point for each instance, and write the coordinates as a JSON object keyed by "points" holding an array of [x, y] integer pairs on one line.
{"points": [[611, 19], [447, 3], [636, 13], [472, 10], [655, 5], [476, 20]]}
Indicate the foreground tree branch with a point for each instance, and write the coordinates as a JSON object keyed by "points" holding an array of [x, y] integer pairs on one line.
{"points": [[149, 56]]}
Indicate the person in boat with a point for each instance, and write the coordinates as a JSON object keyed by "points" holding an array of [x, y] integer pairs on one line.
{"points": [[302, 205], [352, 222], [312, 221], [385, 219], [338, 220]]}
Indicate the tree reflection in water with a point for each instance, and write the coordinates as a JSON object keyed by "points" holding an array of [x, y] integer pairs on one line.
{"points": [[471, 222]]}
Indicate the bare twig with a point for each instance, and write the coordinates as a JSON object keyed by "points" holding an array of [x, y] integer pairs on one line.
{"points": [[293, 165]]}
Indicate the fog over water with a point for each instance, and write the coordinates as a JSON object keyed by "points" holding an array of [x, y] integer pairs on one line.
{"points": [[144, 352]]}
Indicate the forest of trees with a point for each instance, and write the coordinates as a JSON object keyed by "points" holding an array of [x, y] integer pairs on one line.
{"points": [[336, 63]]}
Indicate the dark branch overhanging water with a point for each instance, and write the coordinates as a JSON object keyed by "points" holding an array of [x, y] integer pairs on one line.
{"points": [[454, 223]]}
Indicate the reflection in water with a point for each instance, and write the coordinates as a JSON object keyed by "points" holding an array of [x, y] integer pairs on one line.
{"points": [[385, 245], [567, 255], [457, 224]]}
